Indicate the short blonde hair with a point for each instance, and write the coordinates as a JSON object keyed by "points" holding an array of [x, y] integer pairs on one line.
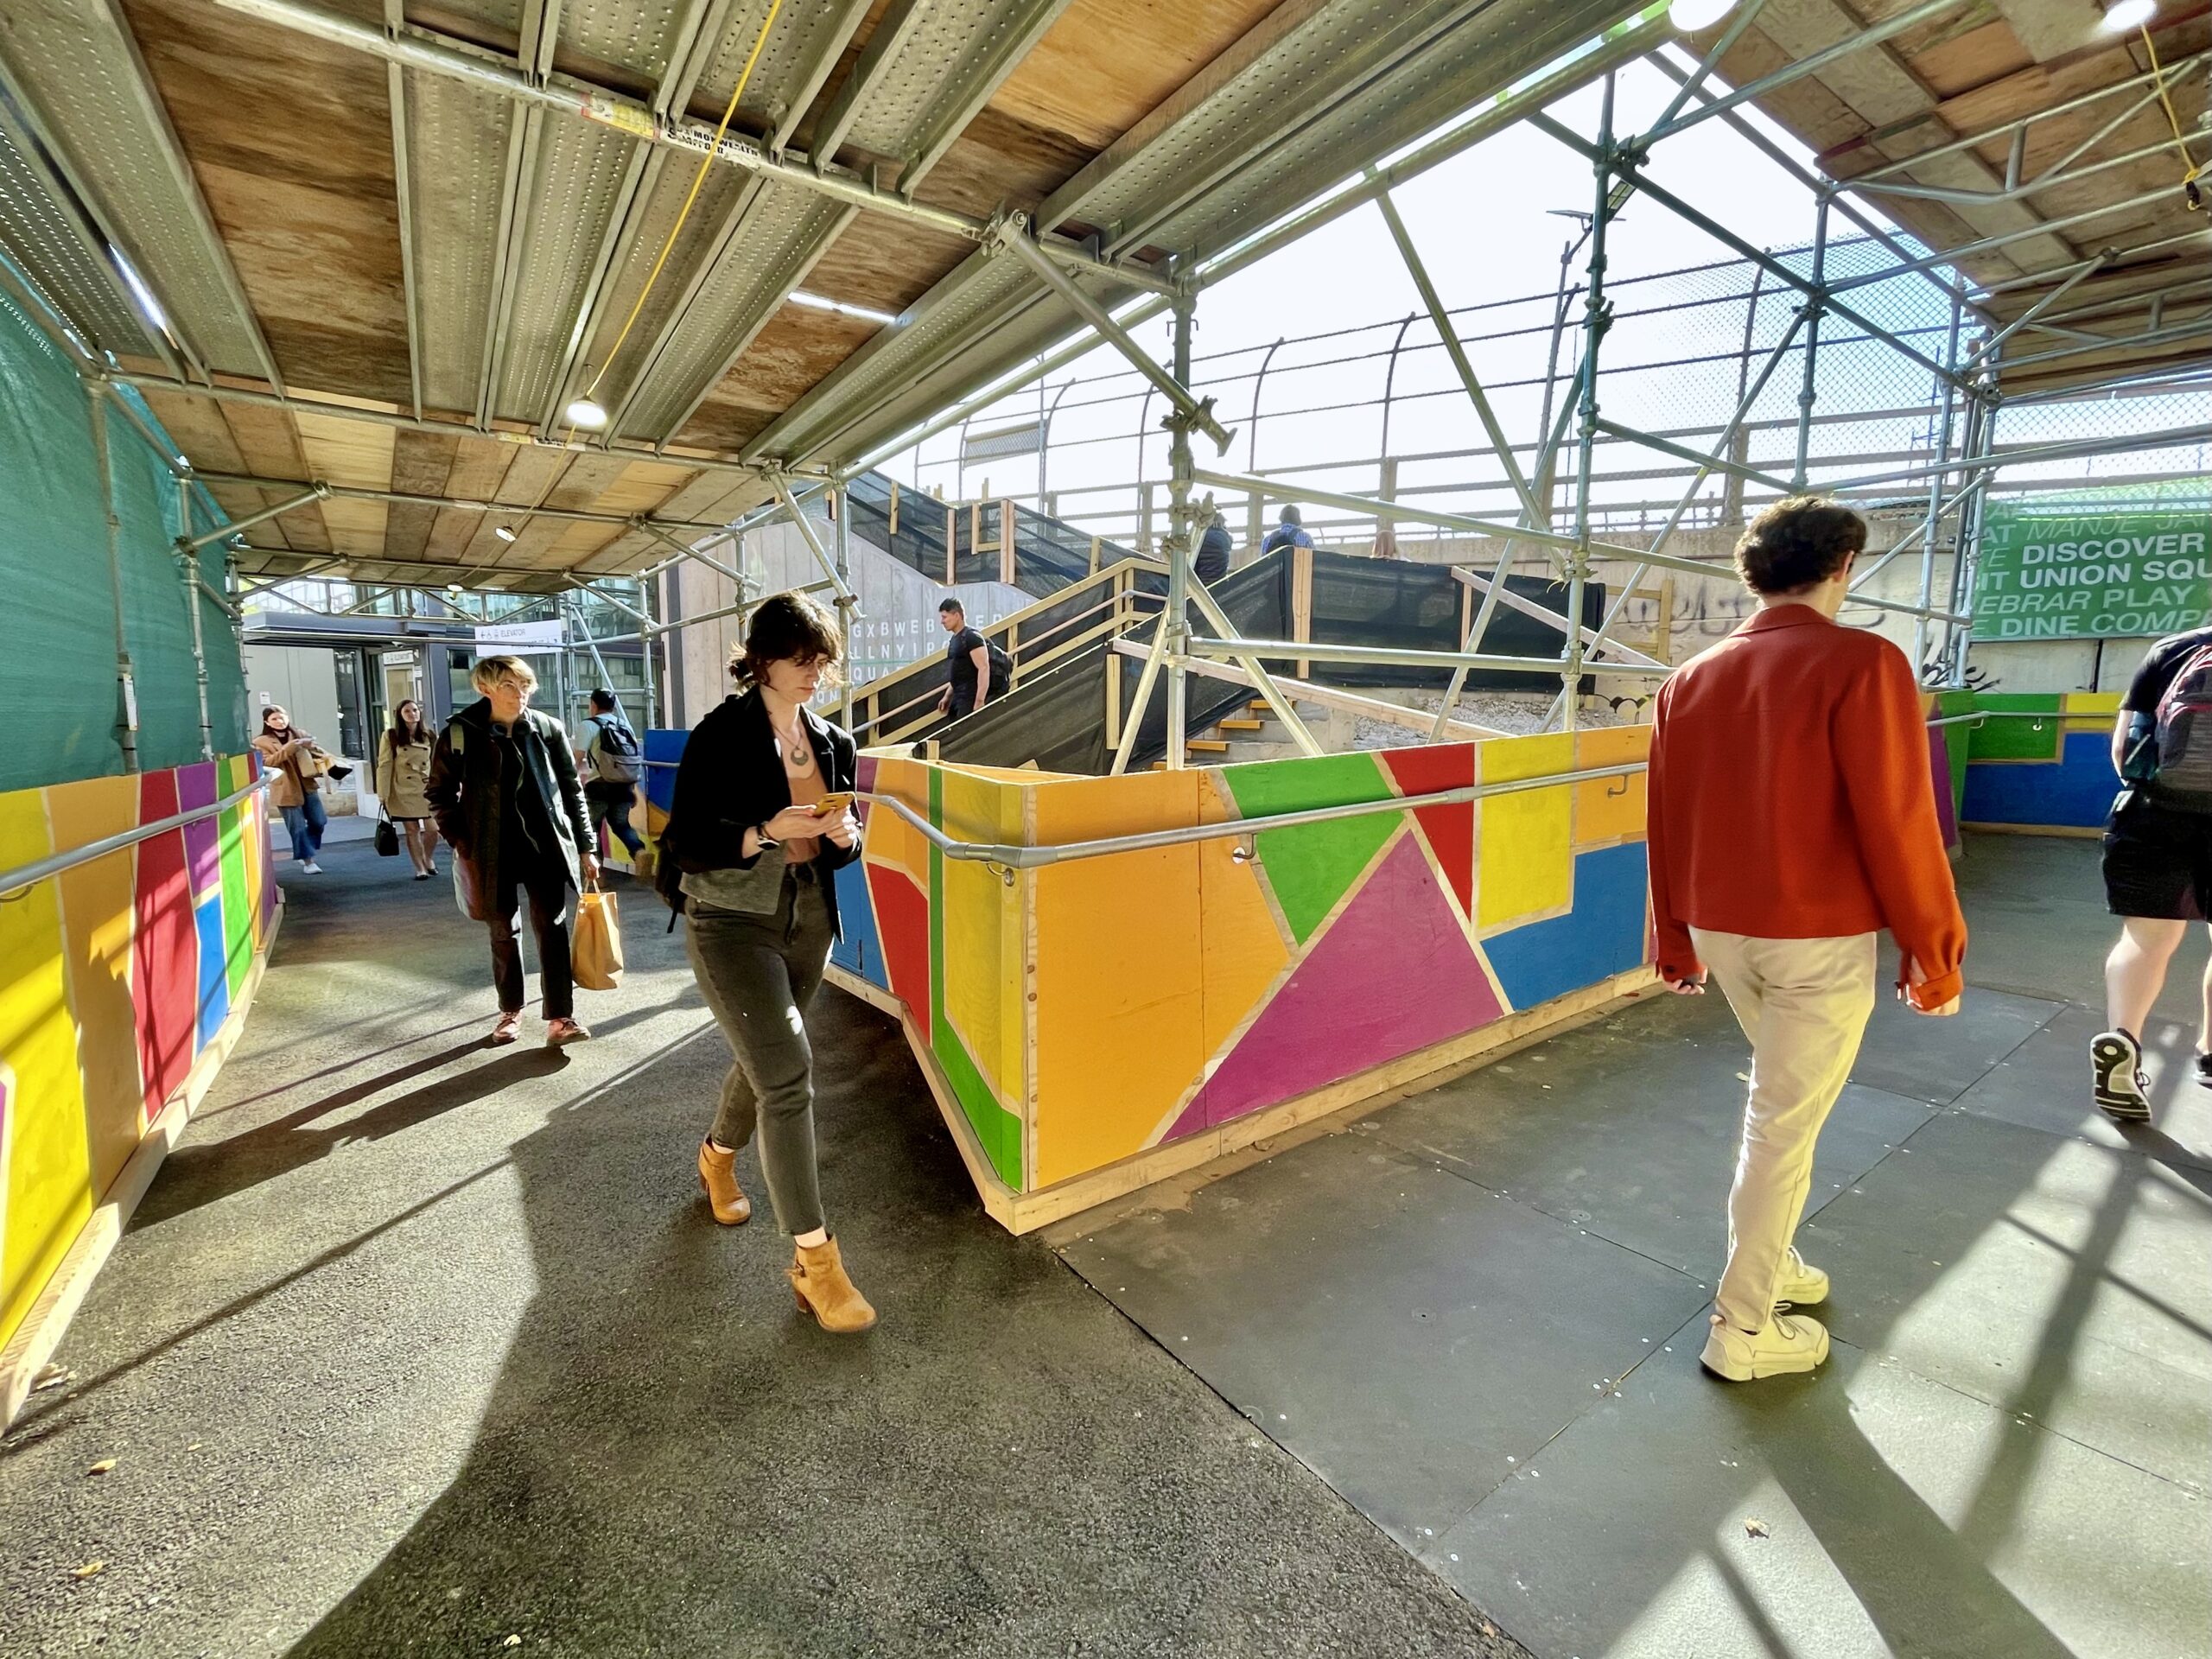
{"points": [[490, 670]]}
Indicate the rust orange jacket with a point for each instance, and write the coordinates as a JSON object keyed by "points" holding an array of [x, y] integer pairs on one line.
{"points": [[1791, 799]]}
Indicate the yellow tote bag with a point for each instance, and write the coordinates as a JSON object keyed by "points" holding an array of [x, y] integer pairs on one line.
{"points": [[596, 955]]}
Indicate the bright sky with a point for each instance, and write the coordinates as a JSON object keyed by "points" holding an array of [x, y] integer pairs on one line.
{"points": [[1483, 225]]}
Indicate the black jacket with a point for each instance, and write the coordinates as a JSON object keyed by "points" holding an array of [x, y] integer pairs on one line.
{"points": [[732, 778], [464, 793]]}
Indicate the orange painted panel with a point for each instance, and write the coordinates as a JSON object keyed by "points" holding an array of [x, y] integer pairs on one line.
{"points": [[1119, 1011], [1609, 810], [97, 912]]}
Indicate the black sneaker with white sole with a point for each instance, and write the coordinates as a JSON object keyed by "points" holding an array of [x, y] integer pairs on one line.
{"points": [[2116, 1076], [2204, 1071]]}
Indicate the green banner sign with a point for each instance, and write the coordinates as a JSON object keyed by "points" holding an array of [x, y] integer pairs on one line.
{"points": [[2084, 570]]}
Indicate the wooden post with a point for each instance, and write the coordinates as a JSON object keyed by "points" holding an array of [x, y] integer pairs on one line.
{"points": [[1255, 510], [1144, 518], [1385, 527], [1466, 615], [1006, 542], [894, 507], [1301, 601], [1113, 700], [951, 539]]}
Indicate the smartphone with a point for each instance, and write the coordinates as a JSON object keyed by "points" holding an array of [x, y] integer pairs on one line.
{"points": [[829, 806]]}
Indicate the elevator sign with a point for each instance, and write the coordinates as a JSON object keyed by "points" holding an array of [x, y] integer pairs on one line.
{"points": [[2071, 571]]}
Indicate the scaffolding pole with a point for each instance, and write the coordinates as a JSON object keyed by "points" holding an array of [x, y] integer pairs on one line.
{"points": [[1177, 622], [1596, 313], [125, 683]]}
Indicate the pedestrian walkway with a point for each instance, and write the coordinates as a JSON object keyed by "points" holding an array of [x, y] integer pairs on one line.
{"points": [[416, 1346]]}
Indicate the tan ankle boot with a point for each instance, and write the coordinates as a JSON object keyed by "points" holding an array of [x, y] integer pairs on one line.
{"points": [[718, 1175], [818, 1279]]}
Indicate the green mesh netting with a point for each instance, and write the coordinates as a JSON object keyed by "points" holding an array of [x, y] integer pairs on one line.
{"points": [[58, 663]]}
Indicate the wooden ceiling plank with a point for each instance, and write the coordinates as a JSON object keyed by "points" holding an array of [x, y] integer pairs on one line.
{"points": [[268, 446]]}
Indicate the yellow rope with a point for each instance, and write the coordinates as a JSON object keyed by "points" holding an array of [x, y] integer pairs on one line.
{"points": [[2190, 171], [697, 179]]}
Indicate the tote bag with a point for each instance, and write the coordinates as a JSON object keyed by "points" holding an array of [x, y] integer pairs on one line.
{"points": [[595, 955]]}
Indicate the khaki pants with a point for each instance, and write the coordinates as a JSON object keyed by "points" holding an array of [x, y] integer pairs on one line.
{"points": [[1804, 1004]]}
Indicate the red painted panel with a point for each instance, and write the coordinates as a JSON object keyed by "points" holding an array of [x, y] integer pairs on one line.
{"points": [[902, 922], [164, 950], [1449, 830]]}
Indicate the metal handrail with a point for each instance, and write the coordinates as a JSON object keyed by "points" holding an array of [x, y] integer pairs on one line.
{"points": [[25, 875], [1013, 858]]}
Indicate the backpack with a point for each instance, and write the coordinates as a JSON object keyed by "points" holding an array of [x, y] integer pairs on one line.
{"points": [[2182, 735], [1002, 668], [668, 873], [615, 754]]}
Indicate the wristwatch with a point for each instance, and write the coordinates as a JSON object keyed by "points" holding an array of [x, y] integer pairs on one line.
{"points": [[761, 829]]}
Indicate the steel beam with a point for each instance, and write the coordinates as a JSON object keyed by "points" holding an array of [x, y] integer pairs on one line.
{"points": [[229, 394], [2049, 179], [355, 492], [577, 99], [686, 550], [223, 532], [1981, 353], [1690, 85], [1811, 64], [1014, 238], [790, 506]]}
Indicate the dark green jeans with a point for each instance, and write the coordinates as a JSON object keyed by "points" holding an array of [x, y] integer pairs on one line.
{"points": [[759, 973]]}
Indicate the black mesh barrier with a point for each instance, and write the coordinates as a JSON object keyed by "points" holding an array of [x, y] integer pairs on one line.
{"points": [[1048, 555], [1420, 607]]}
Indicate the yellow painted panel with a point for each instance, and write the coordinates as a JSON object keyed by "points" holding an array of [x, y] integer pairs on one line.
{"points": [[891, 839], [2090, 711], [46, 1185], [1120, 1026], [1524, 857], [96, 910], [1243, 945], [1609, 810], [983, 994]]}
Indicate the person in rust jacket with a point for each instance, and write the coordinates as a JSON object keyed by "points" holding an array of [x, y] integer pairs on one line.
{"points": [[1792, 818]]}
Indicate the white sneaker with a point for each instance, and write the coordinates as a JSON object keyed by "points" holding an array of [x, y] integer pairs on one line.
{"points": [[1801, 1284], [1791, 1342], [2116, 1079], [310, 868]]}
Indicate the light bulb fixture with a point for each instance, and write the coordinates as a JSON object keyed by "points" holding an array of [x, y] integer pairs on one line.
{"points": [[452, 586], [818, 303], [502, 532], [1691, 15], [587, 414], [2123, 14]]}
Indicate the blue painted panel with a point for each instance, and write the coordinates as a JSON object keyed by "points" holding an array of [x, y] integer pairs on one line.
{"points": [[214, 989], [1603, 934], [663, 744], [2075, 792], [860, 952]]}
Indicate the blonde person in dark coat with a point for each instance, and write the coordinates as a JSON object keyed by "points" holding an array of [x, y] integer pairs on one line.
{"points": [[403, 774]]}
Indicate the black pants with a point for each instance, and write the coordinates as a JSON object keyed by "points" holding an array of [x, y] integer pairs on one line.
{"points": [[546, 888], [607, 806]]}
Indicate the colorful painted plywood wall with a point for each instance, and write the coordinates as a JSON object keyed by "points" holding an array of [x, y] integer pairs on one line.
{"points": [[118, 974], [1086, 1012], [2044, 761]]}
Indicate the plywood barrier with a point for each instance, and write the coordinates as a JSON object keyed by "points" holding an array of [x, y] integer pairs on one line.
{"points": [[2042, 765], [1091, 1026], [127, 979]]}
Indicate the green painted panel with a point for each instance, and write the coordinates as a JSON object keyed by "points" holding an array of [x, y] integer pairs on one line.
{"points": [[996, 1128], [2008, 739], [238, 918], [1310, 868]]}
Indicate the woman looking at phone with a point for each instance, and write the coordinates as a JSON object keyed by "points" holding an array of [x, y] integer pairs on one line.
{"points": [[762, 819]]}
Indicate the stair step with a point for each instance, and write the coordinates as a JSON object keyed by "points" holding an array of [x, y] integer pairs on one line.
{"points": [[1234, 725], [1258, 704], [1206, 745]]}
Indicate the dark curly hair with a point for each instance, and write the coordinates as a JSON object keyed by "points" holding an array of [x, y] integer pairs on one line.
{"points": [[1797, 543], [785, 627]]}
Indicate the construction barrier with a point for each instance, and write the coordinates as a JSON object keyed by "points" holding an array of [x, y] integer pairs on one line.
{"points": [[128, 978]]}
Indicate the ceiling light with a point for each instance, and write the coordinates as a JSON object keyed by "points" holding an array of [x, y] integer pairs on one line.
{"points": [[502, 532], [452, 586], [817, 303], [1691, 15], [2128, 14], [589, 414]]}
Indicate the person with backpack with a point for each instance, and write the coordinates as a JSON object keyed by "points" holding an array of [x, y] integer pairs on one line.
{"points": [[1289, 531], [613, 760], [1212, 563], [762, 820], [975, 669], [2157, 861], [503, 788], [1792, 818]]}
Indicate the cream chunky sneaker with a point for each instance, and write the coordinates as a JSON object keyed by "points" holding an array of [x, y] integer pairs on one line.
{"points": [[1791, 1342], [1801, 1284]]}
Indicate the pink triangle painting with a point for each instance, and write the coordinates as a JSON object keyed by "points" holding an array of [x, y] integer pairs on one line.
{"points": [[1394, 973]]}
